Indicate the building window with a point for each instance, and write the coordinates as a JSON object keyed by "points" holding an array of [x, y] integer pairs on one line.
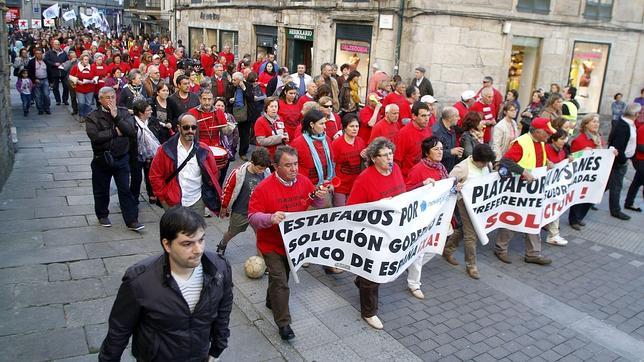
{"points": [[598, 9], [587, 74], [534, 6]]}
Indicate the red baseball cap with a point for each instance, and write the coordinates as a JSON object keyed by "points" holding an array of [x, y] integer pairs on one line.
{"points": [[544, 124]]}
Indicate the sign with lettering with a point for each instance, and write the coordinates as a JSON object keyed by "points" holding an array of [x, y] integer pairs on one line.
{"points": [[300, 34], [353, 48]]}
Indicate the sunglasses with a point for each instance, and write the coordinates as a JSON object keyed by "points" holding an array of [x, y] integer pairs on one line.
{"points": [[189, 127], [327, 105]]}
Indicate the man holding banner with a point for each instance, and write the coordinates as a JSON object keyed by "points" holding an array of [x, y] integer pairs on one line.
{"points": [[279, 193], [526, 153]]}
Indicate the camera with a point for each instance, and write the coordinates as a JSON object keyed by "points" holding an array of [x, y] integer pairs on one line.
{"points": [[189, 63]]}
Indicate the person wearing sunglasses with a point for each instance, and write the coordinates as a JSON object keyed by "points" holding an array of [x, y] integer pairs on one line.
{"points": [[185, 173]]}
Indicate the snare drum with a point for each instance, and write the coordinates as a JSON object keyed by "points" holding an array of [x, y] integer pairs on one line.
{"points": [[221, 156]]}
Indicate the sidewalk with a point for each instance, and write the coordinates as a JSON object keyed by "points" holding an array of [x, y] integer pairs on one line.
{"points": [[59, 273]]}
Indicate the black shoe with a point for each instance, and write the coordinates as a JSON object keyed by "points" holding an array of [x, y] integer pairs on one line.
{"points": [[136, 226], [221, 249], [620, 215], [48, 112], [41, 112], [58, 103], [576, 226], [74, 113], [66, 103], [632, 208], [286, 333], [105, 222], [594, 208]]}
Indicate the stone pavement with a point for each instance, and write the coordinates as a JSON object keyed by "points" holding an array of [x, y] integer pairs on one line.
{"points": [[59, 273]]}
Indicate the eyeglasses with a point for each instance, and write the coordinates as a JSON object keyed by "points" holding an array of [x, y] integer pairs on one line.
{"points": [[189, 127]]}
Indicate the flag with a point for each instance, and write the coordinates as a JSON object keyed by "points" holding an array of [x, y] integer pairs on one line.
{"points": [[23, 24], [50, 23], [86, 19], [70, 15], [51, 12], [36, 23]]}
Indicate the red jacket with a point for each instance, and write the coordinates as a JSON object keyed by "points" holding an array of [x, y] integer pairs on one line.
{"points": [[165, 163]]}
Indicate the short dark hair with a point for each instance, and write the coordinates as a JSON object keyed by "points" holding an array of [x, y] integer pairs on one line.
{"points": [[354, 74], [560, 133], [139, 106], [252, 77], [415, 109], [507, 105], [281, 150], [427, 144], [573, 91], [483, 153], [179, 220], [260, 157], [617, 94], [182, 77], [311, 116], [471, 120], [344, 66], [409, 91], [160, 86], [348, 118]]}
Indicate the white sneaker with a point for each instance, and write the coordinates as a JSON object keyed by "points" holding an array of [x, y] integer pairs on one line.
{"points": [[557, 240], [417, 293], [207, 213], [374, 322]]}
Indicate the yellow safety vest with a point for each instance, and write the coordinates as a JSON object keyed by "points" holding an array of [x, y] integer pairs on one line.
{"points": [[572, 117], [529, 158]]}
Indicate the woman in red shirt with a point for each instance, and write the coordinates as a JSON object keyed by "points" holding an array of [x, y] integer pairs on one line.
{"points": [[84, 80], [269, 129], [101, 71], [588, 139], [289, 111], [116, 62], [382, 179], [348, 152], [266, 76], [334, 122], [315, 156]]}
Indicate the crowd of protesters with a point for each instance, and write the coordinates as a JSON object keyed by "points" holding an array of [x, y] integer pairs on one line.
{"points": [[174, 120]]}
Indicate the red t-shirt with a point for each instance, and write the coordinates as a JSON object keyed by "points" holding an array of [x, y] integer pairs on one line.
{"points": [[420, 173], [382, 128], [102, 72], [124, 67], [208, 132], [515, 153], [348, 162], [371, 185], [488, 112], [291, 116], [85, 74], [462, 111], [207, 63], [303, 99], [264, 128], [333, 125], [580, 142], [271, 196], [364, 116], [555, 156], [403, 105], [639, 155], [164, 72], [263, 80], [230, 57], [408, 142], [305, 158]]}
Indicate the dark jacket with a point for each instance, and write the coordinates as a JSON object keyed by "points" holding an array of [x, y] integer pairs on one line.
{"points": [[51, 58], [247, 96], [31, 70], [425, 87], [100, 127], [177, 107], [618, 138], [215, 89], [150, 307], [448, 139], [127, 96]]}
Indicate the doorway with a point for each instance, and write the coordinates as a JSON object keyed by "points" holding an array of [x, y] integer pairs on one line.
{"points": [[524, 63]]}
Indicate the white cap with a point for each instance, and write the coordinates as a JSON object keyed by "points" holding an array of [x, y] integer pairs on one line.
{"points": [[428, 99], [467, 95]]}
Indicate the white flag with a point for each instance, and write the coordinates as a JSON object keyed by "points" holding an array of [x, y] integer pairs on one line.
{"points": [[70, 15], [86, 19], [51, 12]]}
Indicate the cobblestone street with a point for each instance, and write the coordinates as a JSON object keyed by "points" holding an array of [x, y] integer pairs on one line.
{"points": [[60, 271]]}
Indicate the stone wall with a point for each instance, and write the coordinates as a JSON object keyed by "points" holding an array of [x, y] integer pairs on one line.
{"points": [[6, 146]]}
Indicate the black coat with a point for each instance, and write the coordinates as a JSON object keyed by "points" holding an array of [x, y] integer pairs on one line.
{"points": [[51, 58], [150, 307], [177, 107], [100, 127], [31, 70], [425, 87], [618, 138]]}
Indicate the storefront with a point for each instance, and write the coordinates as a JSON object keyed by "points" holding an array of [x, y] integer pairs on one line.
{"points": [[353, 47], [266, 39], [524, 63], [213, 37], [588, 72], [299, 47]]}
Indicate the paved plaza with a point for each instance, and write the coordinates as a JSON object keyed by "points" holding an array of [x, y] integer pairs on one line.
{"points": [[60, 271]]}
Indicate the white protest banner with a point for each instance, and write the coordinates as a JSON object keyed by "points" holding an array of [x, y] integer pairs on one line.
{"points": [[69, 15], [36, 23], [376, 240], [23, 24], [512, 203], [51, 12], [49, 23], [86, 19]]}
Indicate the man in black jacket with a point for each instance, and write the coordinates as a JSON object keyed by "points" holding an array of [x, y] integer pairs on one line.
{"points": [[623, 137], [240, 101], [423, 84], [177, 304], [54, 59], [181, 100], [110, 128], [39, 75]]}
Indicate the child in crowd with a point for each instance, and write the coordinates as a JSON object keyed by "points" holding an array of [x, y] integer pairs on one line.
{"points": [[24, 85]]}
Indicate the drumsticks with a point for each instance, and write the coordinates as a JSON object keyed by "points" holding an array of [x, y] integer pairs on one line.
{"points": [[209, 117]]}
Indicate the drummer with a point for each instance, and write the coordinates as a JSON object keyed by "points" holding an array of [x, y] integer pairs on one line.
{"points": [[213, 123]]}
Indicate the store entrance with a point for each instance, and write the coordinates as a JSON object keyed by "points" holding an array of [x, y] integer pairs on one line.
{"points": [[298, 52], [524, 62]]}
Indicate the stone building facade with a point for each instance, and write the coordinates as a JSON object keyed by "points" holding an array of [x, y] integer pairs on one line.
{"points": [[6, 144], [596, 45]]}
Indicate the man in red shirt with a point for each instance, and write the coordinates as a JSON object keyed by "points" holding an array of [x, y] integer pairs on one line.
{"points": [[309, 96], [369, 115], [520, 160], [486, 108], [410, 137], [398, 98], [220, 84], [463, 106], [488, 83], [388, 126], [230, 57], [281, 192], [175, 58]]}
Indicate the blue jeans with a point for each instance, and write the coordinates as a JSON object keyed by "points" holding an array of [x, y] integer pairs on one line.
{"points": [[26, 102], [85, 101], [41, 95], [101, 177]]}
